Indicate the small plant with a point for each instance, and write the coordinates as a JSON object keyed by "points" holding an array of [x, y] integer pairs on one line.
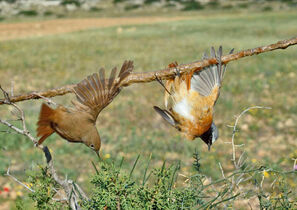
{"points": [[243, 5], [267, 9], [28, 13], [192, 5], [196, 163], [132, 6], [44, 188], [67, 2], [114, 189], [213, 4], [169, 5], [48, 13], [95, 9], [151, 1], [118, 1], [9, 1]]}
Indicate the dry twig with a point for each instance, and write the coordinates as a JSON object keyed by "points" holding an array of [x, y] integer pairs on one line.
{"points": [[72, 190], [15, 179], [237, 164], [162, 74]]}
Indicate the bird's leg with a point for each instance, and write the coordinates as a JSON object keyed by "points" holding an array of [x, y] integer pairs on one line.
{"points": [[162, 84], [175, 65], [177, 71]]}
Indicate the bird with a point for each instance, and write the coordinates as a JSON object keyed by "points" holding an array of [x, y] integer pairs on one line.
{"points": [[190, 99], [78, 124]]}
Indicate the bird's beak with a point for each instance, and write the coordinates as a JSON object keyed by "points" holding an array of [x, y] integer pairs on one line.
{"points": [[209, 145], [97, 153]]}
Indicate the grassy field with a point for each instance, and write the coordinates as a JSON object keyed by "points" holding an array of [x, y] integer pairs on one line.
{"points": [[129, 126]]}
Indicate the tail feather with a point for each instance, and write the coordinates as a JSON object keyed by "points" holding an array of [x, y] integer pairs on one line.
{"points": [[44, 128]]}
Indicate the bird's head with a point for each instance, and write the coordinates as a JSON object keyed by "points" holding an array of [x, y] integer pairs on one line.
{"points": [[93, 141], [210, 136]]}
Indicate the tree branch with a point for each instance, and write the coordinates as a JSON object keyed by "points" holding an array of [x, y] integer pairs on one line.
{"points": [[162, 74]]}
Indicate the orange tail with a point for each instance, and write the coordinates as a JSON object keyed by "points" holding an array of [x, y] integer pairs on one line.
{"points": [[44, 128]]}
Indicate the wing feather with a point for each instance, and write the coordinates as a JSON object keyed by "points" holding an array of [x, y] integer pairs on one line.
{"points": [[208, 78], [96, 92], [165, 115], [112, 78]]}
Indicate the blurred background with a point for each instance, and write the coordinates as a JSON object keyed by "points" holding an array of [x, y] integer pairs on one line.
{"points": [[48, 44]]}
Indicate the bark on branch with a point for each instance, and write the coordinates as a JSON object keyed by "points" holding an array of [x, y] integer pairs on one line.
{"points": [[162, 74]]}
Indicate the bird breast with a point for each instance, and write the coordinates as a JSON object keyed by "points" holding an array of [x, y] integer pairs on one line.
{"points": [[72, 125], [193, 112]]}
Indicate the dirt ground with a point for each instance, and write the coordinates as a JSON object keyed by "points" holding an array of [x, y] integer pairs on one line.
{"points": [[9, 31]]}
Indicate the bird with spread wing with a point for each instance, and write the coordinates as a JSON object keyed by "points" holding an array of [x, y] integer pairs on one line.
{"points": [[78, 124], [190, 100]]}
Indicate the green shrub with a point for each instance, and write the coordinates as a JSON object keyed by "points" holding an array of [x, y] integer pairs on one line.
{"points": [[95, 9], [151, 1], [243, 5], [9, 1], [162, 188], [28, 13], [66, 2], [192, 5], [48, 13], [45, 188], [169, 5], [113, 188], [132, 6], [213, 4], [267, 9], [118, 1]]}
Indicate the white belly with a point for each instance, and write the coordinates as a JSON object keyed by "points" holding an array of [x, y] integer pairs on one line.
{"points": [[184, 109]]}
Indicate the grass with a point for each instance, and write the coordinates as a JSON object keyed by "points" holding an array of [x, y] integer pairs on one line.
{"points": [[129, 126]]}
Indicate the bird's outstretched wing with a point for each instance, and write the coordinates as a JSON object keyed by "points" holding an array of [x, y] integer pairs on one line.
{"points": [[95, 92], [209, 78]]}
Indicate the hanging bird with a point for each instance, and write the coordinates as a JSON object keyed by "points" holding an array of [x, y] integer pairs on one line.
{"points": [[78, 124], [192, 99]]}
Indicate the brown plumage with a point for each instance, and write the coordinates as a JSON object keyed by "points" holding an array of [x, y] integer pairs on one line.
{"points": [[78, 124], [190, 100]]}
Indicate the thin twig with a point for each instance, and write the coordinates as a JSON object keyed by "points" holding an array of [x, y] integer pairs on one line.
{"points": [[19, 182], [165, 73], [263, 177], [223, 174], [49, 101], [234, 131]]}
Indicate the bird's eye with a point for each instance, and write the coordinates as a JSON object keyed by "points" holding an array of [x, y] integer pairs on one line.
{"points": [[92, 146]]}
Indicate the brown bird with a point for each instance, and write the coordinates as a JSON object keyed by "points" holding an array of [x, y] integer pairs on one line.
{"points": [[78, 124], [192, 98]]}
